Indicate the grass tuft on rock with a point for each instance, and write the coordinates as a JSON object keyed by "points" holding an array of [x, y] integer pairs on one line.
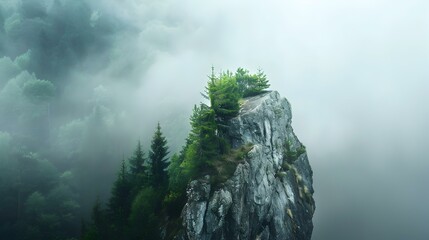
{"points": [[224, 166]]}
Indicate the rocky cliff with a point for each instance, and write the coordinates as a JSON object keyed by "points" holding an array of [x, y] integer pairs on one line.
{"points": [[269, 195]]}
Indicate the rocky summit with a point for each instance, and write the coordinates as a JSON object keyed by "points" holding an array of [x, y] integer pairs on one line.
{"points": [[270, 194]]}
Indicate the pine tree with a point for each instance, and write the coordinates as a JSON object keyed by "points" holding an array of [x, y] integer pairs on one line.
{"points": [[98, 228], [204, 129], [202, 142], [138, 169], [224, 94], [120, 202], [262, 82], [158, 159], [251, 84]]}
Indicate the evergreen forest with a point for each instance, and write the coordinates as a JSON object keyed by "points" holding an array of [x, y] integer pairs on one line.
{"points": [[42, 199]]}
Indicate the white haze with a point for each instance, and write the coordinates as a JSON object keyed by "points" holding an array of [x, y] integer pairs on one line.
{"points": [[356, 73]]}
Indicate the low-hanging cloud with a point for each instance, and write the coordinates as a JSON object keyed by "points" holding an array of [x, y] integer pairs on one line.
{"points": [[355, 73]]}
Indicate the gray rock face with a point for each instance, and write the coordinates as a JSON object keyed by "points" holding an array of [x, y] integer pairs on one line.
{"points": [[269, 195]]}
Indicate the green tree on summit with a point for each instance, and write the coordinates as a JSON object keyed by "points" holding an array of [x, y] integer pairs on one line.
{"points": [[224, 94], [251, 84]]}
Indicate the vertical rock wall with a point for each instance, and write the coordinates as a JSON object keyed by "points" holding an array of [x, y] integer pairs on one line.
{"points": [[269, 195]]}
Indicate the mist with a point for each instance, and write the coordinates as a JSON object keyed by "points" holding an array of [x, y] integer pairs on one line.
{"points": [[355, 73]]}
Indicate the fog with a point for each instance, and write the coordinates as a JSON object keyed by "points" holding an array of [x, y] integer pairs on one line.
{"points": [[355, 72]]}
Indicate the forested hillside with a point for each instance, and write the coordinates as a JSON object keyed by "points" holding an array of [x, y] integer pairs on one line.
{"points": [[54, 176], [150, 192], [70, 116], [63, 125]]}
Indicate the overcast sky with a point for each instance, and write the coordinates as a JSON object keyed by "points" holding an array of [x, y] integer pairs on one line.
{"points": [[356, 73]]}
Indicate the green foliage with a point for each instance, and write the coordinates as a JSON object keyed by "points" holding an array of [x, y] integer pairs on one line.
{"points": [[223, 167], [35, 205], [149, 192], [225, 91], [251, 84], [158, 160], [144, 222], [137, 161], [179, 176], [207, 150], [138, 169], [203, 133], [191, 164], [202, 145], [224, 94], [177, 181], [136, 198], [37, 201], [290, 155], [98, 229], [174, 203], [119, 202]]}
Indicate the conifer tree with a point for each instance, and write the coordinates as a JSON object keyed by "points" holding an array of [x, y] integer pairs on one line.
{"points": [[224, 94], [262, 82], [120, 201], [98, 228], [202, 143], [158, 159], [138, 169], [251, 84]]}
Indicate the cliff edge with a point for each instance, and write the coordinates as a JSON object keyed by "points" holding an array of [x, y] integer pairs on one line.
{"points": [[270, 194]]}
